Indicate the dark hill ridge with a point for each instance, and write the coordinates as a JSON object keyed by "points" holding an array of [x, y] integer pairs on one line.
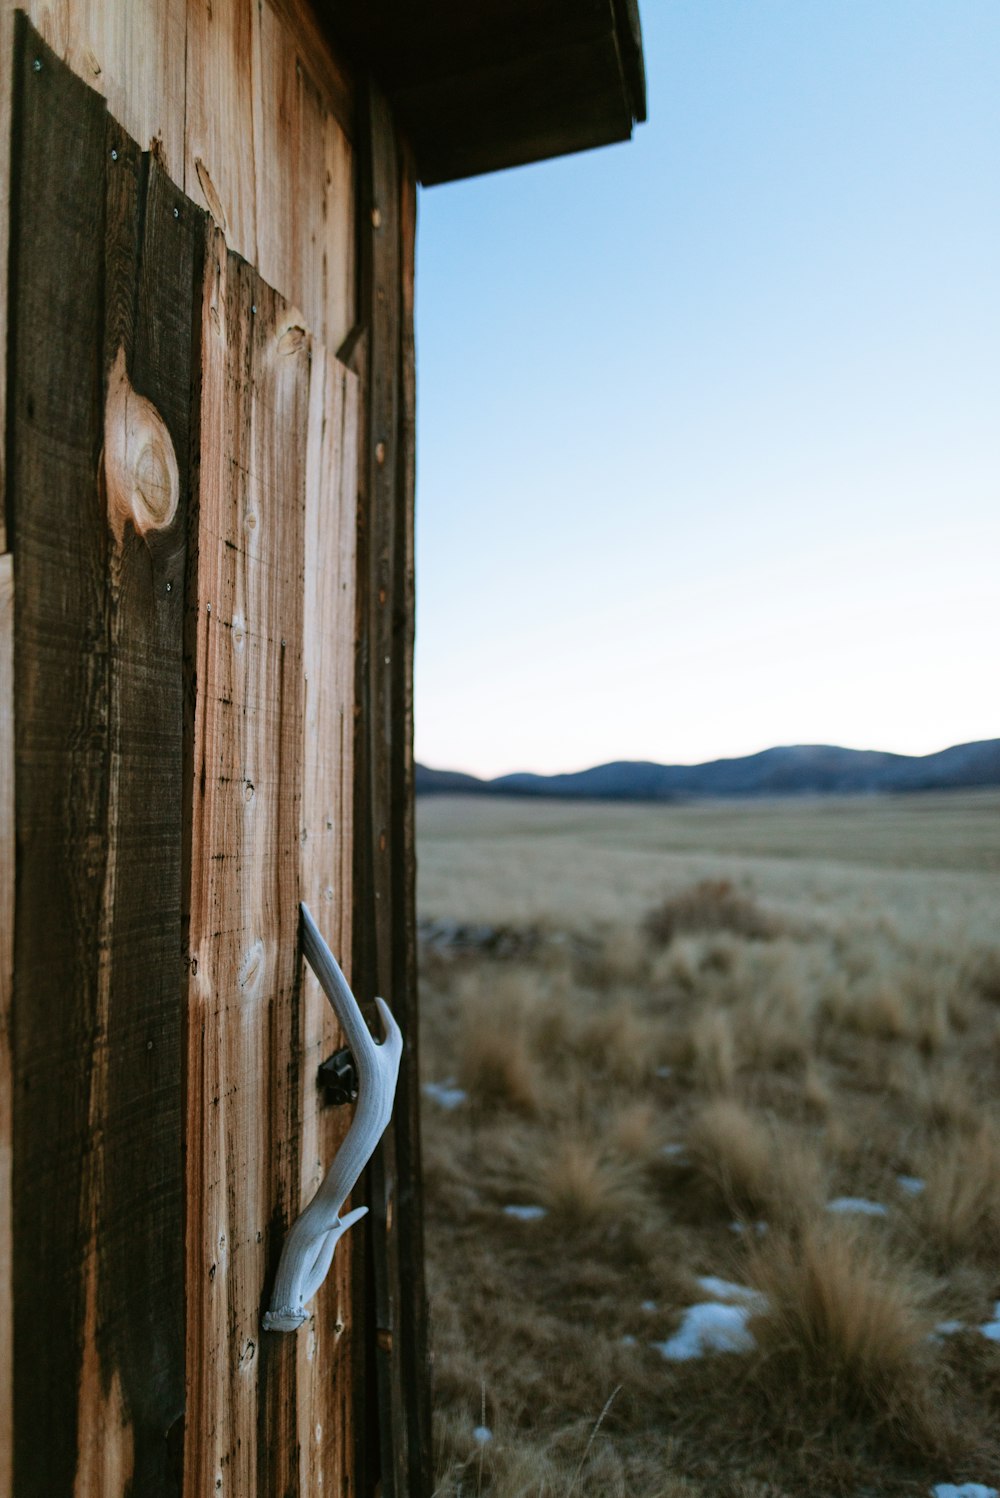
{"points": [[799, 770]]}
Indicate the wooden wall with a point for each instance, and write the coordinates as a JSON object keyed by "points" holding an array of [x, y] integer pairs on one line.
{"points": [[204, 682]]}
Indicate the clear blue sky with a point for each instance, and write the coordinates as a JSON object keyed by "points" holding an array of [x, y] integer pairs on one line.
{"points": [[709, 423]]}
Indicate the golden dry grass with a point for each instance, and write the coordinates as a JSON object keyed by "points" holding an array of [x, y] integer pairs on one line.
{"points": [[823, 1022]]}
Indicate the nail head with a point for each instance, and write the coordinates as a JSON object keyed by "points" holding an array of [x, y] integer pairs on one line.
{"points": [[37, 65]]}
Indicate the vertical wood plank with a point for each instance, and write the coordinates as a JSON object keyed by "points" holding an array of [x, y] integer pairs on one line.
{"points": [[6, 977], [99, 534], [406, 1125], [385, 862], [244, 1066], [325, 1348], [58, 534], [220, 143]]}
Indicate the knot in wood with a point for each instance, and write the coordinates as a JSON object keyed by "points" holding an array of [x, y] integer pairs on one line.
{"points": [[141, 481]]}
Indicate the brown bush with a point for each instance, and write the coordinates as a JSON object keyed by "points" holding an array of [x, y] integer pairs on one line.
{"points": [[710, 905]]}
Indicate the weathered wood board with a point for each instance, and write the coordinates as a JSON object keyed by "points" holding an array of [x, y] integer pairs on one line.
{"points": [[104, 252], [385, 864], [194, 614], [183, 502], [247, 109], [271, 808]]}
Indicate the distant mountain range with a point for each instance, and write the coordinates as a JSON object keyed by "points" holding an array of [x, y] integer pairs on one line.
{"points": [[799, 770]]}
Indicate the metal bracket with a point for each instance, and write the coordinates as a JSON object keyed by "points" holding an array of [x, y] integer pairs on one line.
{"points": [[338, 1077]]}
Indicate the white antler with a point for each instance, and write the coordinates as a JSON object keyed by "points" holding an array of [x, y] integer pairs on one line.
{"points": [[308, 1250]]}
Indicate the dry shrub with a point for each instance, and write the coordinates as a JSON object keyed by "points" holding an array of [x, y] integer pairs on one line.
{"points": [[960, 1208], [842, 1311], [494, 1065], [580, 1187], [636, 1133], [752, 1166], [947, 1100], [982, 974], [621, 960], [712, 1050], [616, 1043], [875, 1009], [816, 1092], [774, 1029], [710, 905]]}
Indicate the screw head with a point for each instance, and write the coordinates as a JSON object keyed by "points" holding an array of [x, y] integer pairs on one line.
{"points": [[37, 65], [177, 213], [114, 155]]}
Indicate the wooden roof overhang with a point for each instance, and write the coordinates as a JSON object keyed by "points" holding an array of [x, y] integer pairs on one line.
{"points": [[478, 85]]}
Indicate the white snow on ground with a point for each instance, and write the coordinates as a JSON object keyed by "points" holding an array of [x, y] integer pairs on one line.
{"points": [[991, 1329], [482, 1435], [858, 1204], [709, 1328], [526, 1214], [963, 1490], [946, 1329], [445, 1093], [912, 1185], [726, 1290]]}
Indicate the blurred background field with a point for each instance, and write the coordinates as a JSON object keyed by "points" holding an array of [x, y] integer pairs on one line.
{"points": [[712, 1144]]}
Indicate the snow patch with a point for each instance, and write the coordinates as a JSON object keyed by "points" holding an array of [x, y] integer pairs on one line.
{"points": [[482, 1435], [709, 1328], [963, 1490], [912, 1185], [526, 1214], [991, 1329], [445, 1093], [945, 1329], [859, 1204]]}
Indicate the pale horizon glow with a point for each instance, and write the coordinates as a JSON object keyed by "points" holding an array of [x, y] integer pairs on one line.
{"points": [[708, 453]]}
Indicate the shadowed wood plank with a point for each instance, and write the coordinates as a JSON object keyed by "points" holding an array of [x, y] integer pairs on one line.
{"points": [[245, 1021], [6, 975], [97, 1195], [61, 728], [385, 860]]}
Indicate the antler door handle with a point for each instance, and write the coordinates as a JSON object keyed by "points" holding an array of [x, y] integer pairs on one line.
{"points": [[308, 1250]]}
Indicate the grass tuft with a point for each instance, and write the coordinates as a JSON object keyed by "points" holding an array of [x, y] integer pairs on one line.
{"points": [[710, 905]]}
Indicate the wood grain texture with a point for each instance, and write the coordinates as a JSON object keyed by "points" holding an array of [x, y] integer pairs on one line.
{"points": [[385, 858], [185, 79], [326, 1347], [268, 153], [271, 822], [97, 1171]]}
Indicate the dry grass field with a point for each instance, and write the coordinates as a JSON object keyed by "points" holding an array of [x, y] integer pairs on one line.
{"points": [[712, 1145]]}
